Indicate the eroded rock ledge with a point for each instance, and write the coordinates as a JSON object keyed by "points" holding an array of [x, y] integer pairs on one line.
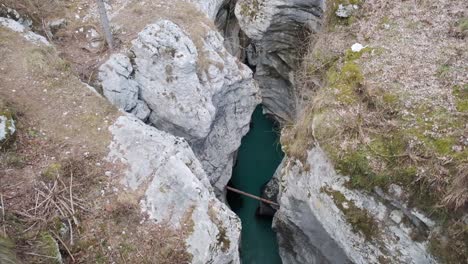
{"points": [[320, 220]]}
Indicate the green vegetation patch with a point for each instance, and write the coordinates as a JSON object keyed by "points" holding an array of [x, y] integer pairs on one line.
{"points": [[461, 97], [462, 24], [346, 81], [49, 247], [359, 219]]}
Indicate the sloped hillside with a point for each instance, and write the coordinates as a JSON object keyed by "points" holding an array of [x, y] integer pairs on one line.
{"points": [[387, 82]]}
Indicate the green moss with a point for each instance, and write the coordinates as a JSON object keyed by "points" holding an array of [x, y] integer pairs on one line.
{"points": [[52, 171], [463, 24], [443, 70], [389, 146], [390, 99], [443, 146], [356, 166], [461, 97], [351, 55], [359, 219], [351, 74], [49, 247], [346, 80]]}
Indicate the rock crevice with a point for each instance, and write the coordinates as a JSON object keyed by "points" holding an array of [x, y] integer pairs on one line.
{"points": [[277, 30]]}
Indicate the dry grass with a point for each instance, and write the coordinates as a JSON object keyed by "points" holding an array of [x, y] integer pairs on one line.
{"points": [[72, 40]]}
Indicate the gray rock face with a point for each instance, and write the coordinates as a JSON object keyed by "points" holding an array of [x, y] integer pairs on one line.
{"points": [[345, 11], [24, 30], [175, 188], [7, 128], [305, 241], [201, 93], [119, 88], [312, 228], [278, 29], [12, 14], [270, 192]]}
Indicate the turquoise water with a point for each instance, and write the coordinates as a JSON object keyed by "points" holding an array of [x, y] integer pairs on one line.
{"points": [[257, 159]]}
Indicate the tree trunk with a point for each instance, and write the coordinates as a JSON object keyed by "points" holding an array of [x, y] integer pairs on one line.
{"points": [[105, 23]]}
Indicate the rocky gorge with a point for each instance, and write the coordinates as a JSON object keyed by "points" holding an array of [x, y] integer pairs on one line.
{"points": [[185, 80]]}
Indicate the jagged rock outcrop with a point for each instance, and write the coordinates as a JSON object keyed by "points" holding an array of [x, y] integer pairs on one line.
{"points": [[7, 126], [270, 192], [175, 188], [26, 32], [278, 29], [119, 89], [201, 93], [320, 220]]}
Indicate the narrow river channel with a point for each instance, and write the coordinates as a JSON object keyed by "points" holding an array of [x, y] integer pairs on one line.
{"points": [[257, 159]]}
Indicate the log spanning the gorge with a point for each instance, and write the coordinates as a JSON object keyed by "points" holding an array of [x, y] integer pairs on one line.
{"points": [[251, 196]]}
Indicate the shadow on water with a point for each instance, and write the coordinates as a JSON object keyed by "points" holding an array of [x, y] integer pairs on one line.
{"points": [[257, 159]]}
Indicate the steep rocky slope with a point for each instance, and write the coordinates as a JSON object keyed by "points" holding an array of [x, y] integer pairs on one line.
{"points": [[110, 164], [377, 159], [371, 96]]}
